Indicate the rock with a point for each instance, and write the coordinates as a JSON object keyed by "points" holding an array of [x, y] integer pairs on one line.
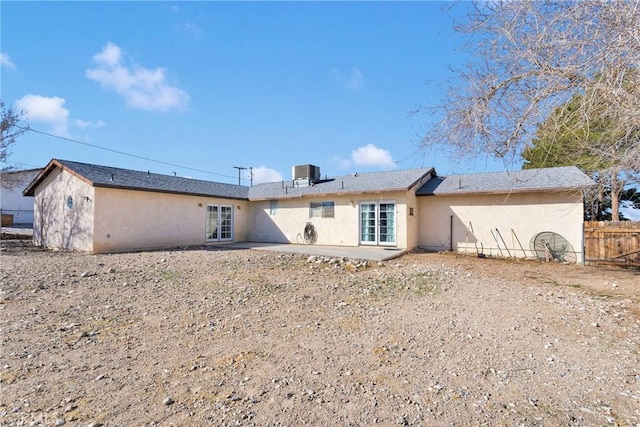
{"points": [[252, 337]]}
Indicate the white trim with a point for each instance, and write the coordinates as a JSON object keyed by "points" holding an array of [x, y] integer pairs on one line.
{"points": [[377, 226], [219, 220]]}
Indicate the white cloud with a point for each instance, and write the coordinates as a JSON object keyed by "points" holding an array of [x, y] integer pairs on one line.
{"points": [[370, 155], [263, 174], [48, 110], [353, 81], [109, 57], [367, 156], [82, 124], [5, 61], [141, 87]]}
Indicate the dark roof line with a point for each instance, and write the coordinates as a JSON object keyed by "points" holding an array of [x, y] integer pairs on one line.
{"points": [[526, 180], [371, 182], [112, 177], [428, 183]]}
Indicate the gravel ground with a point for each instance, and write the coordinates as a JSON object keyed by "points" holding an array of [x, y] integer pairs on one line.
{"points": [[240, 337]]}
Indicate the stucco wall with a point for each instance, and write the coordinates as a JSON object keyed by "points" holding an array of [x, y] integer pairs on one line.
{"points": [[12, 202], [60, 222], [288, 223], [128, 219], [412, 219], [517, 217]]}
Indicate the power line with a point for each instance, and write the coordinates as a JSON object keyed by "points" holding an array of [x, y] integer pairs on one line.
{"points": [[123, 153]]}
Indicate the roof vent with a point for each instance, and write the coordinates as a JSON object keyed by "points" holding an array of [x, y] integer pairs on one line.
{"points": [[304, 175]]}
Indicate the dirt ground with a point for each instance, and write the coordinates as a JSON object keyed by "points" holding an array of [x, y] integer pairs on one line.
{"points": [[238, 337]]}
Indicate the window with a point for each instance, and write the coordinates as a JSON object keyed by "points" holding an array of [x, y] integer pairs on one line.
{"points": [[321, 210], [273, 207]]}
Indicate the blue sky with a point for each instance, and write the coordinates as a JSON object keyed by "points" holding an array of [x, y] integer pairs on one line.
{"points": [[213, 85]]}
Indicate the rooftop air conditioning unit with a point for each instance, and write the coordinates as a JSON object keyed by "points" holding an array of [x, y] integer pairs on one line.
{"points": [[306, 172]]}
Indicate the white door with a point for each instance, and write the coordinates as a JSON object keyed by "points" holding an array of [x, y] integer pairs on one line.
{"points": [[219, 225], [378, 223]]}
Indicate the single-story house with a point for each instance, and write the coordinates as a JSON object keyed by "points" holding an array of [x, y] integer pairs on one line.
{"points": [[16, 209], [95, 208]]}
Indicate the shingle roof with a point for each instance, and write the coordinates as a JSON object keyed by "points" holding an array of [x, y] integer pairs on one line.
{"points": [[374, 182], [106, 176], [549, 179]]}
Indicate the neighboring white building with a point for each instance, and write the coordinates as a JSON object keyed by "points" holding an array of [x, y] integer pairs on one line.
{"points": [[94, 208], [12, 202]]}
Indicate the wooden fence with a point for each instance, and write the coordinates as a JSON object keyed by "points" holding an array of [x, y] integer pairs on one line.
{"points": [[612, 243]]}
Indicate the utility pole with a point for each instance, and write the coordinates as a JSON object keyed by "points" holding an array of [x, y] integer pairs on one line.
{"points": [[240, 169]]}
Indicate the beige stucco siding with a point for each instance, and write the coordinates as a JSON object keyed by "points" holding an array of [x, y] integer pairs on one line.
{"points": [[130, 219], [288, 222], [411, 218], [516, 217], [60, 222]]}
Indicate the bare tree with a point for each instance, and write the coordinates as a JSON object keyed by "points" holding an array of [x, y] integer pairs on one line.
{"points": [[528, 59], [10, 128]]}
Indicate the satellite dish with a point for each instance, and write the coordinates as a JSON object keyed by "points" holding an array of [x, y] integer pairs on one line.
{"points": [[552, 247]]}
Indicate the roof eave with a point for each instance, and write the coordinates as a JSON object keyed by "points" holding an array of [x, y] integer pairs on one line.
{"points": [[431, 173], [509, 191], [29, 191], [158, 190], [326, 194]]}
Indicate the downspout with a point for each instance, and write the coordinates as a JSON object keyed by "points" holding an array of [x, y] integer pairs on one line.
{"points": [[582, 238], [451, 233]]}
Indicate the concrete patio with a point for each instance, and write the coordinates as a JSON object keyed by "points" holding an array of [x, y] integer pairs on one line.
{"points": [[372, 253]]}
